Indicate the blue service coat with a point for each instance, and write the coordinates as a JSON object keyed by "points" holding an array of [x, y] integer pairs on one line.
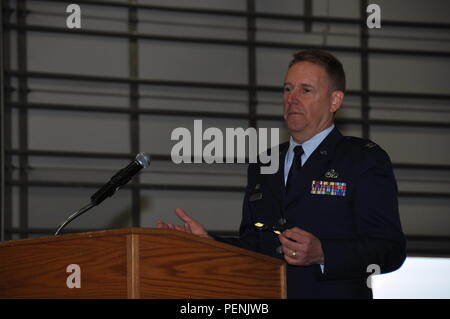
{"points": [[356, 218]]}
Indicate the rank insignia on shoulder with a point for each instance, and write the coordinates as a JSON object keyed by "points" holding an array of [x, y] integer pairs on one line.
{"points": [[370, 145], [331, 174], [328, 188]]}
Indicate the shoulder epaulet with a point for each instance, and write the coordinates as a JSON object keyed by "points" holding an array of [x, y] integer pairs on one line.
{"points": [[362, 143]]}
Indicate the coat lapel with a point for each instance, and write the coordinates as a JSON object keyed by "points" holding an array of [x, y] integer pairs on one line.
{"points": [[316, 163]]}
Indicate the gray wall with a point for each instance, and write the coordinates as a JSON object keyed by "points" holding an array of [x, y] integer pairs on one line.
{"points": [[80, 131]]}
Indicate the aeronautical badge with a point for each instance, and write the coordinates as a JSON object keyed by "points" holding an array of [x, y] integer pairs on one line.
{"points": [[331, 174], [328, 188]]}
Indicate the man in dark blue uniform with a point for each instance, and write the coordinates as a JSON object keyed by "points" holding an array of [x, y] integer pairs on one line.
{"points": [[331, 210]]}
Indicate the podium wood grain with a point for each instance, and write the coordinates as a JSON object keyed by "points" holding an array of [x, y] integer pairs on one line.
{"points": [[137, 263]]}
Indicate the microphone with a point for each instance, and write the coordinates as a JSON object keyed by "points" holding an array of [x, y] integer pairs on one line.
{"points": [[122, 177]]}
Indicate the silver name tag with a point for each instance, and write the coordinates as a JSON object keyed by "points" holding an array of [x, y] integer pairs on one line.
{"points": [[256, 196]]}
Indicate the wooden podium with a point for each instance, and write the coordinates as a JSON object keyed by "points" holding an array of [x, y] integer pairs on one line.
{"points": [[136, 263]]}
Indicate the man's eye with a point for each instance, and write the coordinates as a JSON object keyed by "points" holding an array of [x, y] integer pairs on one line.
{"points": [[306, 90], [287, 89]]}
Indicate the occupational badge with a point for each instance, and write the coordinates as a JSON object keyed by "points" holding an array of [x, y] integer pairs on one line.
{"points": [[331, 174]]}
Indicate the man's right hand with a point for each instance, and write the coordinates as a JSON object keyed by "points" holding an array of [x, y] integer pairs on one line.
{"points": [[190, 225]]}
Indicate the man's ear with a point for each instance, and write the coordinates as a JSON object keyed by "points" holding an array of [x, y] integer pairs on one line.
{"points": [[337, 97]]}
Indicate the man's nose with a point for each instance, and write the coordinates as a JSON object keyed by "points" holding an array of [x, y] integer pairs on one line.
{"points": [[292, 96]]}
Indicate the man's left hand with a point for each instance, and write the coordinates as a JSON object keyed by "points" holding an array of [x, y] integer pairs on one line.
{"points": [[301, 248]]}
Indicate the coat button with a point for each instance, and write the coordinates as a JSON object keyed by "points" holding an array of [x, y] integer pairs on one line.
{"points": [[279, 250], [260, 226]]}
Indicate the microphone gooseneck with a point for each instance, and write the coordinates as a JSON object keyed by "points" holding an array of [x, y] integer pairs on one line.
{"points": [[73, 216]]}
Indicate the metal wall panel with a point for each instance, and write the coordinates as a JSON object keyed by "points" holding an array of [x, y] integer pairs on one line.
{"points": [[80, 103]]}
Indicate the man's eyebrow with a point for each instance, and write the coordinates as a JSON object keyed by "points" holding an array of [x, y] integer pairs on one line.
{"points": [[302, 84]]}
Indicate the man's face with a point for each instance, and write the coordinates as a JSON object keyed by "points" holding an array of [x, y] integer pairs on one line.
{"points": [[309, 103]]}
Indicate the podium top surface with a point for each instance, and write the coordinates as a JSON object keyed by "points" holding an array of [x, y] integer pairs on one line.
{"points": [[141, 232]]}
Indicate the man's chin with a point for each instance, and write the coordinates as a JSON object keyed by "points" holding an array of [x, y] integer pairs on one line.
{"points": [[295, 127]]}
